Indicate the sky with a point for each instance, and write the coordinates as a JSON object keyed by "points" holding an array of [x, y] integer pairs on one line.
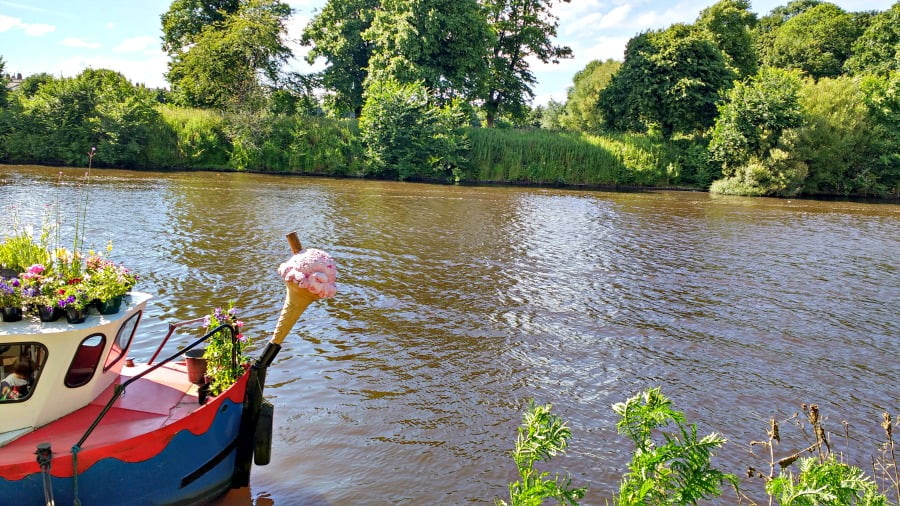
{"points": [[63, 37]]}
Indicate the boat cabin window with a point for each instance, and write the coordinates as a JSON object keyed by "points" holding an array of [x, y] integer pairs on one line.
{"points": [[86, 360], [122, 342], [20, 368]]}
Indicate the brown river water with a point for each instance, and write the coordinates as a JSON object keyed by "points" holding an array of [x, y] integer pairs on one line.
{"points": [[458, 304]]}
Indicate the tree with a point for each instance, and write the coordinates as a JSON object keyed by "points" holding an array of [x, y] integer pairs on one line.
{"points": [[185, 20], [877, 50], [817, 41], [228, 58], [31, 84], [670, 80], [766, 28], [3, 81], [751, 137], [522, 29], [407, 137], [581, 112], [335, 34], [730, 23], [440, 43]]}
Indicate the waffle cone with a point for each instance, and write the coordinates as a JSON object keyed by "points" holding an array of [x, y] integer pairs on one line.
{"points": [[295, 302]]}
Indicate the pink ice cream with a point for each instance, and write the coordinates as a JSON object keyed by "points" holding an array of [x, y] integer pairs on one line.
{"points": [[312, 269]]}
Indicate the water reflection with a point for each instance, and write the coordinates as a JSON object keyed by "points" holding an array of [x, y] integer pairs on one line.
{"points": [[457, 304]]}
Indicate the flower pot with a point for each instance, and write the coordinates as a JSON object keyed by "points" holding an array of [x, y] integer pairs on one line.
{"points": [[109, 306], [196, 366], [49, 313], [11, 314], [76, 315]]}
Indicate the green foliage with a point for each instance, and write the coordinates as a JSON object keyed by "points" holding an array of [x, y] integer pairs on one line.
{"points": [[438, 43], [335, 33], [541, 436], [877, 50], [225, 58], [96, 108], [3, 80], [767, 28], [748, 137], [189, 138], [581, 112], [542, 157], [186, 19], [224, 351], [730, 22], [522, 31], [840, 139], [817, 41], [670, 80], [406, 137], [825, 483], [674, 469], [31, 84]]}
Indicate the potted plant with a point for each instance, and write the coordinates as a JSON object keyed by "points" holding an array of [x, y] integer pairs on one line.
{"points": [[11, 299], [39, 293], [107, 283], [224, 354], [73, 298]]}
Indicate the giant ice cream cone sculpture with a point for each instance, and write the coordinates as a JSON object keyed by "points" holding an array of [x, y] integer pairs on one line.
{"points": [[309, 275]]}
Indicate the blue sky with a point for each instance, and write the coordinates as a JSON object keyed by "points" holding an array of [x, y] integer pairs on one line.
{"points": [[62, 37]]}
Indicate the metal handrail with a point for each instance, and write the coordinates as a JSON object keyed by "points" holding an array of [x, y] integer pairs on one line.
{"points": [[120, 389], [172, 328]]}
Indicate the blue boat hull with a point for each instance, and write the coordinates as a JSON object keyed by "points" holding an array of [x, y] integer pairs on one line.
{"points": [[191, 469]]}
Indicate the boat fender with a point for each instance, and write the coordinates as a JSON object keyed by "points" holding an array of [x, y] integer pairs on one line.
{"points": [[262, 450]]}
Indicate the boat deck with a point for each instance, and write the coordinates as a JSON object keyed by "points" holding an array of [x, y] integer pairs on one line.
{"points": [[161, 398]]}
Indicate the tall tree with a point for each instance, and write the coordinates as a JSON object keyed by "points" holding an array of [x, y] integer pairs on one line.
{"points": [[730, 22], [817, 41], [335, 33], [186, 19], [670, 80], [3, 81], [877, 50], [227, 59], [581, 111], [765, 31], [441, 43], [522, 29]]}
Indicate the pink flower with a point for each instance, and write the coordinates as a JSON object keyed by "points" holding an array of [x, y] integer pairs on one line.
{"points": [[239, 324], [36, 269]]}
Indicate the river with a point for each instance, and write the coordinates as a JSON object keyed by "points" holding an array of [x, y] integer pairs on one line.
{"points": [[458, 304]]}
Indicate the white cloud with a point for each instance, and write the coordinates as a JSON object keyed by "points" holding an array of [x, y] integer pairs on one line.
{"points": [[34, 29], [615, 17], [38, 29], [75, 42], [135, 44]]}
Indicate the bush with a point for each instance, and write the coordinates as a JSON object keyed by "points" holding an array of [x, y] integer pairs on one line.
{"points": [[407, 137]]}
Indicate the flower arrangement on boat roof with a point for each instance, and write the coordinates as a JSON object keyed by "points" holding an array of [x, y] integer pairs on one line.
{"points": [[224, 355]]}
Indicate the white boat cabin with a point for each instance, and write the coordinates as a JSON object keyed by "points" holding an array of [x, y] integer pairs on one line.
{"points": [[71, 364]]}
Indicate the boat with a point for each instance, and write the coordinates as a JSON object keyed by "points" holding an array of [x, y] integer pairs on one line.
{"points": [[96, 427]]}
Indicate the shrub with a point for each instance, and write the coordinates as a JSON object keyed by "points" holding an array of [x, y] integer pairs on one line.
{"points": [[407, 137]]}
